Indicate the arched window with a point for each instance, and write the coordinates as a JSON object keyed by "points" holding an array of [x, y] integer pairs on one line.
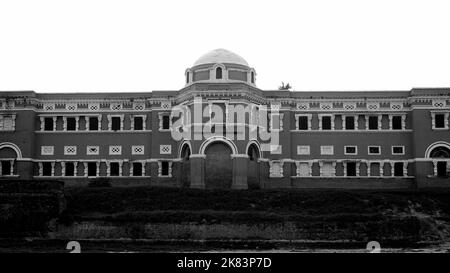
{"points": [[440, 152], [187, 77], [252, 77], [219, 73]]}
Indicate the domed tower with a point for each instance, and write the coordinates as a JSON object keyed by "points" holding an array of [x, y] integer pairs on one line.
{"points": [[220, 65]]}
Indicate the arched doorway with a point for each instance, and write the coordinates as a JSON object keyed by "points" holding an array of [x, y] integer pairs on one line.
{"points": [[441, 156], [185, 166], [9, 152], [253, 167], [218, 166]]}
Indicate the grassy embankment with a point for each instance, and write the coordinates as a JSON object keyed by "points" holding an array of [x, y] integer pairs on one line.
{"points": [[318, 215]]}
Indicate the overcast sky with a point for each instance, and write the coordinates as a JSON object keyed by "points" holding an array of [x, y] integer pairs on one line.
{"points": [[81, 46]]}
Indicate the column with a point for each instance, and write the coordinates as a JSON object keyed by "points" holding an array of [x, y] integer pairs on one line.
{"points": [[345, 167], [63, 168], [98, 168], [42, 123], [392, 168], [131, 168], [435, 170], [143, 168], [320, 168], [197, 162], [54, 123], [334, 168], [144, 122], [64, 123], [405, 168], [390, 122], [108, 168], [41, 169], [343, 122], [380, 118], [11, 166], [240, 170], [75, 168], [86, 118], [120, 168], [77, 119], [403, 122], [85, 169], [367, 122], [53, 168], [381, 168], [332, 121], [357, 168]]}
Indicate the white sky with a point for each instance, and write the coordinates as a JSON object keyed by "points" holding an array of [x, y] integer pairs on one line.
{"points": [[78, 46]]}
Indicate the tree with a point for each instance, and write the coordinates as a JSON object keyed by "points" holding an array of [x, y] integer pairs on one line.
{"points": [[285, 87]]}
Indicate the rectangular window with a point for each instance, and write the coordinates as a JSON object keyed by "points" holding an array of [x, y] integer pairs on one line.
{"points": [[326, 150], [303, 123], [350, 123], [398, 169], [396, 122], [351, 168], [46, 169], [115, 150], [93, 124], [164, 168], [439, 121], [6, 168], [115, 123], [70, 169], [92, 169], [6, 122], [326, 123], [71, 124], [166, 122], [48, 124], [398, 150], [138, 123], [137, 169], [374, 150], [303, 150], [351, 150], [373, 123], [114, 169]]}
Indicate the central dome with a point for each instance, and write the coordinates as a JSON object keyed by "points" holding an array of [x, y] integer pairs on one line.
{"points": [[221, 56]]}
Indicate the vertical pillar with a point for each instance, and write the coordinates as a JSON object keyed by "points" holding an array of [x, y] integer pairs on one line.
{"points": [[63, 168], [197, 171], [240, 172], [75, 168], [367, 122], [54, 123], [42, 123], [85, 164], [53, 168], [390, 122], [392, 168], [357, 168], [435, 170]]}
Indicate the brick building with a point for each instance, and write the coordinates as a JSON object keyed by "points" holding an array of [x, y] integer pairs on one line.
{"points": [[376, 139]]}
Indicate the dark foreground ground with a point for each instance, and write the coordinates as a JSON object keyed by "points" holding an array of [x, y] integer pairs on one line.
{"points": [[146, 219]]}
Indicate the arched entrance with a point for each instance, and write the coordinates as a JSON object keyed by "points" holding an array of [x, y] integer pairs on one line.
{"points": [[441, 156], [218, 166], [185, 166], [253, 166], [9, 152]]}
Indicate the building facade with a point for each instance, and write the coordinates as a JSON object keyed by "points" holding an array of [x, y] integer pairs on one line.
{"points": [[229, 134]]}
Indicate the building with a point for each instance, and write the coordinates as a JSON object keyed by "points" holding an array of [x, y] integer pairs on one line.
{"points": [[377, 139]]}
